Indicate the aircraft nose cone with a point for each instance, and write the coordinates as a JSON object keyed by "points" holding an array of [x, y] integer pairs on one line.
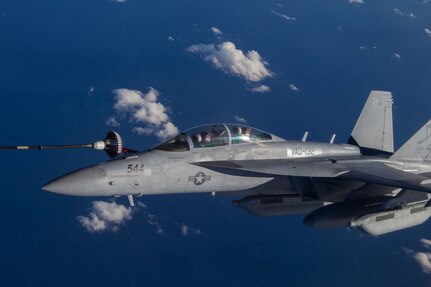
{"points": [[90, 181]]}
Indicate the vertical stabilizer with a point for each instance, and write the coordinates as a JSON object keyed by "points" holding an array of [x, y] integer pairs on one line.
{"points": [[418, 147], [373, 132]]}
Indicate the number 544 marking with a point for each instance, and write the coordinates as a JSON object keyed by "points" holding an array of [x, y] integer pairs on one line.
{"points": [[135, 168]]}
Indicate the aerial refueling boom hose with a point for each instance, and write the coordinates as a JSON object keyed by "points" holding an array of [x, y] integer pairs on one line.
{"points": [[112, 145]]}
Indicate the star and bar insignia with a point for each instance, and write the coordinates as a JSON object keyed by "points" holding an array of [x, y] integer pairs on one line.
{"points": [[199, 178]]}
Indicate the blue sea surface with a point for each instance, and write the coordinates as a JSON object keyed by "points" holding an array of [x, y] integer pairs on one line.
{"points": [[59, 64]]}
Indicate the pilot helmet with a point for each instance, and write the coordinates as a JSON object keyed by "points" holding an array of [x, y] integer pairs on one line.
{"points": [[206, 137], [247, 132], [237, 130], [197, 138]]}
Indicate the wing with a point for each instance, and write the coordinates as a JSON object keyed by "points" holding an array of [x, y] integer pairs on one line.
{"points": [[369, 171]]}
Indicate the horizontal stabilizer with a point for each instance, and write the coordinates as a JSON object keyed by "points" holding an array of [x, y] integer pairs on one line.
{"points": [[373, 132], [418, 147]]}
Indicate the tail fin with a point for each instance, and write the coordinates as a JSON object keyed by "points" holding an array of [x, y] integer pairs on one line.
{"points": [[373, 132], [418, 147]]}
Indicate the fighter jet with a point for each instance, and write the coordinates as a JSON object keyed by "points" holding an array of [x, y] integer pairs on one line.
{"points": [[362, 184]]}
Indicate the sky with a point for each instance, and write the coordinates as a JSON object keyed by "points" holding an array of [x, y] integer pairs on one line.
{"points": [[72, 70]]}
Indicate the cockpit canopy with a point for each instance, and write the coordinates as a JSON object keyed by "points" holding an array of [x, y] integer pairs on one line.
{"points": [[216, 135]]}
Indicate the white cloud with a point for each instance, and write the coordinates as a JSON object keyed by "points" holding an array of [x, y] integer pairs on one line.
{"points": [[154, 221], [145, 109], [396, 56], [362, 48], [184, 230], [151, 219], [112, 122], [428, 32], [356, 1], [170, 38], [216, 31], [404, 14], [128, 99], [293, 88], [168, 130], [288, 18], [187, 230], [240, 120], [142, 131], [422, 258], [228, 58], [426, 243], [110, 216], [90, 90], [260, 89], [105, 216], [408, 251], [424, 261]]}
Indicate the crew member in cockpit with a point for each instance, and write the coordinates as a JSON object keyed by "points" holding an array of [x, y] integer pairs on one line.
{"points": [[197, 140], [236, 131], [247, 133], [220, 137], [206, 139], [236, 134]]}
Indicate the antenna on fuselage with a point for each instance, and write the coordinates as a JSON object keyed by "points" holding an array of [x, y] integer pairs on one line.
{"points": [[305, 136], [332, 138]]}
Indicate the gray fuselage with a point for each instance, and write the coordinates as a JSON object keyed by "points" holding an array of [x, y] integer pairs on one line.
{"points": [[164, 172]]}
